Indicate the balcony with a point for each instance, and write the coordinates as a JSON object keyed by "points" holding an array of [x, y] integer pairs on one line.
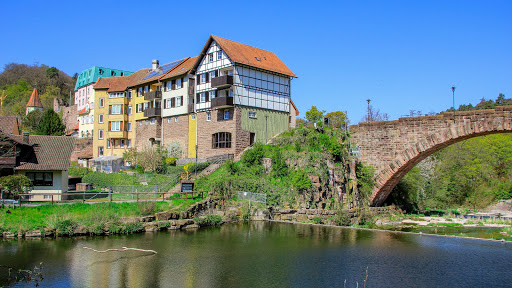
{"points": [[222, 81], [191, 90], [152, 95], [190, 108], [221, 102], [153, 112], [117, 134]]}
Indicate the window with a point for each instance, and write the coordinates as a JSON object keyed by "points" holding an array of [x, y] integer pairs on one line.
{"points": [[100, 71], [146, 105], [100, 134], [152, 121], [178, 83], [100, 151], [230, 93], [102, 102], [169, 103], [179, 101], [219, 55], [116, 95], [169, 120], [139, 108], [175, 119], [112, 73], [129, 96], [146, 89], [210, 57], [129, 143], [212, 94], [202, 98], [122, 143], [146, 122], [116, 109], [139, 92], [108, 144], [40, 178], [221, 140], [115, 125], [193, 117], [213, 74], [129, 110], [47, 197], [252, 114], [208, 116], [202, 78], [129, 126], [168, 86], [226, 114]]}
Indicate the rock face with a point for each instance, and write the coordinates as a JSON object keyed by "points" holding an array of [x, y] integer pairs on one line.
{"points": [[8, 235], [33, 233]]}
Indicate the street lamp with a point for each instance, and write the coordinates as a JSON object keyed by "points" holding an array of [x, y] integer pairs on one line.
{"points": [[368, 101], [453, 99]]}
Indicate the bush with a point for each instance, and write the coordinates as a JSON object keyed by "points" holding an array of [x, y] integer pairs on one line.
{"points": [[171, 161], [16, 184], [209, 220], [254, 156], [78, 171], [191, 167], [342, 218], [317, 220]]}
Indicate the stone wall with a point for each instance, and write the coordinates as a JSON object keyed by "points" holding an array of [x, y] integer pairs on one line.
{"points": [[176, 132], [69, 116], [395, 147], [144, 131]]}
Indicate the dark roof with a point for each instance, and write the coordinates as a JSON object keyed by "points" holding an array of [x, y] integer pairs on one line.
{"points": [[183, 68], [9, 125], [247, 55], [46, 152], [118, 84], [161, 70]]}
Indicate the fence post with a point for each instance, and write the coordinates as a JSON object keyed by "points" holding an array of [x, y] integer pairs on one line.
{"points": [[52, 199], [137, 196], [156, 191], [133, 190], [83, 201], [110, 193], [19, 201]]}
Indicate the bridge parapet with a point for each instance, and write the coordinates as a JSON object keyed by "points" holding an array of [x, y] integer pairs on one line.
{"points": [[395, 147]]}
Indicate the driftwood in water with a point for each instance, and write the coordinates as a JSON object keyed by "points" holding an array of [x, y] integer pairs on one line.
{"points": [[122, 250]]}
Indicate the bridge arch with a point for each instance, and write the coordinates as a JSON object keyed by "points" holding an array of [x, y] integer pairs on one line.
{"points": [[393, 148]]}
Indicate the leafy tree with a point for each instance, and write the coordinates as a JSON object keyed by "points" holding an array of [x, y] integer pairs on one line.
{"points": [[131, 156], [175, 150], [48, 96], [314, 115], [50, 124], [152, 158], [15, 184], [52, 72], [337, 119], [31, 120]]}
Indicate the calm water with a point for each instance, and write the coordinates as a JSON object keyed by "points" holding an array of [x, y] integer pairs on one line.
{"points": [[266, 255]]}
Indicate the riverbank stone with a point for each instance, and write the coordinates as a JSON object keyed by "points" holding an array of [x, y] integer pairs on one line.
{"points": [[33, 233], [163, 216], [8, 235], [150, 218], [129, 220]]}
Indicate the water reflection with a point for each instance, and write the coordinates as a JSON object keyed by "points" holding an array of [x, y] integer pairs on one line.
{"points": [[262, 254]]}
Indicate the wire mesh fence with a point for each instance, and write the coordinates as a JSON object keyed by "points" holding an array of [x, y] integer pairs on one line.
{"points": [[133, 192], [253, 197]]}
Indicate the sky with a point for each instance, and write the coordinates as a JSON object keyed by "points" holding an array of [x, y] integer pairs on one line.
{"points": [[402, 55]]}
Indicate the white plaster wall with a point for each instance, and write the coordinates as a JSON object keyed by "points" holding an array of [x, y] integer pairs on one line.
{"points": [[60, 185], [168, 112]]}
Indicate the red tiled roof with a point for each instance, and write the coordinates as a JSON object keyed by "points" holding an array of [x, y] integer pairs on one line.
{"points": [[34, 100], [83, 111], [294, 107], [248, 55], [183, 68], [121, 83], [77, 126], [9, 125], [47, 153]]}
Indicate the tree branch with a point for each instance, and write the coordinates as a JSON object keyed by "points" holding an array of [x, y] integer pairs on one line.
{"points": [[122, 250]]}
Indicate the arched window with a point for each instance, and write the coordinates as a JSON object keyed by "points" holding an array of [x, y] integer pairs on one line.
{"points": [[221, 140]]}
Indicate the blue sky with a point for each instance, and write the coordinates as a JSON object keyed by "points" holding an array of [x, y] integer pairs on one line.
{"points": [[403, 55]]}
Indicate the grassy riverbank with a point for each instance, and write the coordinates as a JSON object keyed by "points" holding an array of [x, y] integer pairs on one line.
{"points": [[94, 217]]}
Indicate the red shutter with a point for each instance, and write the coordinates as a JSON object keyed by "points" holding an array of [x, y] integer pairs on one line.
{"points": [[109, 126], [109, 109]]}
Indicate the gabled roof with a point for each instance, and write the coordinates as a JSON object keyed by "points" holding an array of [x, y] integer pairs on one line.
{"points": [[34, 100], [183, 68], [83, 111], [43, 155], [294, 107], [247, 55], [161, 70], [118, 84], [9, 125]]}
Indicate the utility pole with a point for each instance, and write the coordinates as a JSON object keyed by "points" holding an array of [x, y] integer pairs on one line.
{"points": [[368, 101], [266, 130], [453, 98]]}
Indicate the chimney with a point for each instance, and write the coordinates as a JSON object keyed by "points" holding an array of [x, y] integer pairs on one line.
{"points": [[25, 137], [155, 64]]}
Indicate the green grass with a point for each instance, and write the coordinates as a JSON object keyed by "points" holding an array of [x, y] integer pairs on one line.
{"points": [[93, 216]]}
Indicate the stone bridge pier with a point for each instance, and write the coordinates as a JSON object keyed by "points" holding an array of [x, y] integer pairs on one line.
{"points": [[393, 148]]}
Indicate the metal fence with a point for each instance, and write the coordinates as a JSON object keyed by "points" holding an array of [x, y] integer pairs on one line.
{"points": [[253, 197]]}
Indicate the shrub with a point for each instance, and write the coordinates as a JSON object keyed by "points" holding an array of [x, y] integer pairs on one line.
{"points": [[209, 220], [66, 227], [78, 171], [300, 180], [254, 156], [171, 161], [342, 218], [317, 220], [175, 150], [191, 167]]}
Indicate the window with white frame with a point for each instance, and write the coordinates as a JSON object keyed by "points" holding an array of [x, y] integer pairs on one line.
{"points": [[193, 117], [210, 57], [146, 105], [213, 93], [129, 126], [116, 95], [179, 101], [109, 144], [139, 92], [100, 151], [219, 55], [129, 96], [139, 108], [252, 114], [100, 118], [208, 116], [152, 121], [213, 74], [129, 110], [100, 134], [102, 102], [175, 119], [202, 97], [168, 85], [178, 83], [122, 143], [169, 120], [115, 126], [115, 109], [202, 78]]}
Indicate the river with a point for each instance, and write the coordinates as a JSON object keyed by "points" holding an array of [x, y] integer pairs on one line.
{"points": [[261, 254]]}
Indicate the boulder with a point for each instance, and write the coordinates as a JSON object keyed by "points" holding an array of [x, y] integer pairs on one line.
{"points": [[175, 215], [163, 216], [184, 215], [80, 230], [48, 232], [150, 218], [33, 233], [8, 235], [191, 226]]}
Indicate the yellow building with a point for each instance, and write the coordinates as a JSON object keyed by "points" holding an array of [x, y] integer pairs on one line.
{"points": [[114, 115]]}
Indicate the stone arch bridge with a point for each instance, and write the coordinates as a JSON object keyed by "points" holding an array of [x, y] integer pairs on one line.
{"points": [[393, 148]]}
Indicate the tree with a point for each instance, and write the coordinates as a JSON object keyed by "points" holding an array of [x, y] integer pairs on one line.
{"points": [[337, 119], [175, 150], [31, 120], [131, 156], [50, 124], [51, 93], [152, 158], [52, 73], [314, 115], [375, 115], [15, 184]]}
